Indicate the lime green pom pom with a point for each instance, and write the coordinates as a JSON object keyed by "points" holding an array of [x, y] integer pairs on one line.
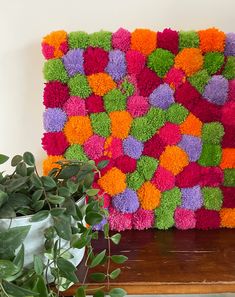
{"points": [[75, 152], [147, 166], [229, 69], [54, 70], [171, 199], [114, 100], [211, 155], [134, 180], [78, 39], [164, 219], [199, 80], [100, 123], [212, 132], [127, 88], [101, 39], [213, 198], [213, 61], [79, 86], [188, 39], [176, 113], [160, 61], [229, 177]]}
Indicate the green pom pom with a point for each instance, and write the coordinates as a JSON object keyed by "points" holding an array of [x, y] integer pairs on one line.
{"points": [[101, 39], [147, 166], [199, 80], [134, 180], [160, 61], [114, 100], [213, 198], [188, 39], [78, 39], [171, 199], [75, 152], [176, 113], [127, 88], [100, 123], [229, 69], [164, 219], [54, 70], [213, 61], [211, 155], [229, 177], [79, 86], [212, 132]]}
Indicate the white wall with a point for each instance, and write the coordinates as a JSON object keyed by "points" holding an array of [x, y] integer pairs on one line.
{"points": [[23, 23]]}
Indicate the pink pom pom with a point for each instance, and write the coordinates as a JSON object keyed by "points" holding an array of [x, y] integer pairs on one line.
{"points": [[143, 219], [119, 221], [94, 147], [114, 148], [175, 78], [135, 62], [163, 179], [54, 143], [106, 197], [137, 106], [184, 219], [121, 39], [75, 106], [64, 47], [170, 134], [48, 51]]}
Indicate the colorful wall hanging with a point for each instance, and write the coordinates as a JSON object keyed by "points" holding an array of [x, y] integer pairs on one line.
{"points": [[161, 107]]}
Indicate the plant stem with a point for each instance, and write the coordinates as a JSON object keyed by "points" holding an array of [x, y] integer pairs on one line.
{"points": [[3, 290], [108, 265]]}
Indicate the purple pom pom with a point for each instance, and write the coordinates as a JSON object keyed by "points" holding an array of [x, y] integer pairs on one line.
{"points": [[216, 91], [192, 198], [54, 119], [192, 146], [132, 147], [100, 226], [162, 96], [117, 65], [126, 202], [73, 62], [230, 45]]}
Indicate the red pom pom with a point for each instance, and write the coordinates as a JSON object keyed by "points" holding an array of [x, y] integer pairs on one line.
{"points": [[231, 93], [125, 164], [169, 40], [95, 60], [187, 95], [207, 219], [154, 147], [163, 179], [170, 134], [228, 114], [206, 111], [229, 136], [135, 61], [189, 177], [121, 39], [55, 94], [211, 176], [147, 81], [54, 143], [229, 197], [94, 104]]}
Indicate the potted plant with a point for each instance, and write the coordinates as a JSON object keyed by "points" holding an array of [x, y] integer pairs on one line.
{"points": [[45, 227]]}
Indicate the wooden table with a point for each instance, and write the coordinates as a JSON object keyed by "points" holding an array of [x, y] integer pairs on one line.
{"points": [[174, 262]]}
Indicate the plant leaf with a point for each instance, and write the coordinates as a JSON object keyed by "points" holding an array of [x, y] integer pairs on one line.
{"points": [[69, 171], [55, 199], [41, 286], [97, 259], [37, 195], [57, 211], [29, 158], [116, 238], [99, 294], [69, 275], [38, 264], [106, 230], [92, 218], [115, 273], [14, 290], [3, 158], [40, 216], [35, 180], [3, 197], [80, 292], [65, 265], [7, 269], [19, 259], [119, 259], [17, 183], [48, 182], [117, 292], [98, 277], [63, 226], [21, 169], [15, 160], [92, 192], [102, 164]]}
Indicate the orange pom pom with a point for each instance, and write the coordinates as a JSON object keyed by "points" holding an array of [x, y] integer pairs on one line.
{"points": [[144, 41], [191, 126], [113, 182], [120, 123], [174, 159], [228, 158], [78, 129], [55, 39], [149, 196], [101, 83], [190, 60], [212, 40], [49, 163], [227, 216]]}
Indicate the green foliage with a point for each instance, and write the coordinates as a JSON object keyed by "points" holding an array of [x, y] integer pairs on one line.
{"points": [[79, 86], [199, 80], [210, 155], [176, 113], [213, 198], [212, 132], [188, 39], [229, 177], [78, 39], [229, 69], [101, 39], [54, 70], [147, 166], [213, 61], [114, 100], [160, 61], [164, 218], [101, 124], [75, 152], [134, 180]]}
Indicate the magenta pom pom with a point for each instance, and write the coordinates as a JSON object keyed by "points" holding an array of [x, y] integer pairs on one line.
{"points": [[48, 51], [121, 39], [147, 81], [184, 219], [232, 90], [94, 104], [154, 147], [137, 106], [64, 47], [207, 219], [163, 179], [175, 77], [228, 114], [105, 196], [135, 62], [55, 94], [119, 221], [94, 147], [170, 134], [169, 40], [75, 106], [95, 60], [189, 177], [211, 177], [115, 148], [54, 143], [143, 219], [126, 164]]}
